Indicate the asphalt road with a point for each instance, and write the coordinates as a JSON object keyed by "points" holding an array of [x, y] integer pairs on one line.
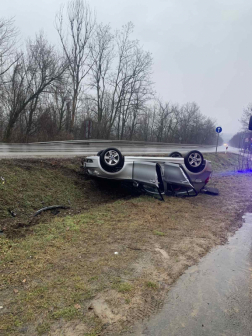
{"points": [[213, 298], [78, 148]]}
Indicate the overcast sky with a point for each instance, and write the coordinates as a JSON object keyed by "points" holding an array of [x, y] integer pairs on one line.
{"points": [[202, 49]]}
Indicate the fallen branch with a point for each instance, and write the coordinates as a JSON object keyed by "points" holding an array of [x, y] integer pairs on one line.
{"points": [[51, 208]]}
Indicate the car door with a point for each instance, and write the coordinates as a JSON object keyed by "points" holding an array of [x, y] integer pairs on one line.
{"points": [[145, 173], [148, 176], [176, 180]]}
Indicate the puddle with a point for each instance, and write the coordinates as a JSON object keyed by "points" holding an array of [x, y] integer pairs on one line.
{"points": [[214, 297]]}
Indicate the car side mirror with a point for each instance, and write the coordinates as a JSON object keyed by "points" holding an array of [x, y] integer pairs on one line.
{"points": [[250, 123]]}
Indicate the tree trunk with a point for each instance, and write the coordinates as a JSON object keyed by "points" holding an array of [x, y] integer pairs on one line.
{"points": [[74, 105], [8, 131]]}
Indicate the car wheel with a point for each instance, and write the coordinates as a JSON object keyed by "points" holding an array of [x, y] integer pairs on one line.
{"points": [[194, 161], [99, 153], [111, 159], [176, 154]]}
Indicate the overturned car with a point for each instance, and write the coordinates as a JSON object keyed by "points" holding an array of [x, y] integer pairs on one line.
{"points": [[173, 175]]}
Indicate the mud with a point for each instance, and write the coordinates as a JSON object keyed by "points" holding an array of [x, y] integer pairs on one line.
{"points": [[213, 297]]}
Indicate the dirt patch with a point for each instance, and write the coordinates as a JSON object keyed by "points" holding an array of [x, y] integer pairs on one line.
{"points": [[102, 309], [72, 328], [163, 253], [110, 266]]}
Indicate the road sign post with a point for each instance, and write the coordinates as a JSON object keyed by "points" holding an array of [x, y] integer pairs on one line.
{"points": [[217, 142], [218, 131]]}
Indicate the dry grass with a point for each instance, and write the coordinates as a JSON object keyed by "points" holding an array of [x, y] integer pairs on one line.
{"points": [[30, 185], [222, 162], [62, 276]]}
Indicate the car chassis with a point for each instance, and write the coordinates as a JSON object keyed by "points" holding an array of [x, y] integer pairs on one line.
{"points": [[176, 176]]}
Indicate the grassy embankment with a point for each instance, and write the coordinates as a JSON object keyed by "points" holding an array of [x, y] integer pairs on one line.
{"points": [[62, 276]]}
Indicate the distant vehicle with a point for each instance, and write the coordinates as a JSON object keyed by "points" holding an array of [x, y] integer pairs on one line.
{"points": [[156, 175], [250, 123]]}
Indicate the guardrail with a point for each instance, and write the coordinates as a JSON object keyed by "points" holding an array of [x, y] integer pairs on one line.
{"points": [[97, 141]]}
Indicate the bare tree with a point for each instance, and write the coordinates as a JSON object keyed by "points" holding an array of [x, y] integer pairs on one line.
{"points": [[101, 83], [129, 81], [31, 76], [75, 44], [8, 34], [164, 116], [247, 112], [102, 55], [138, 90], [120, 77]]}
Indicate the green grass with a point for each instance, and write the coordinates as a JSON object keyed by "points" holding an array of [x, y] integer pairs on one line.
{"points": [[123, 287], [68, 313], [30, 186], [151, 285], [158, 233], [43, 328]]}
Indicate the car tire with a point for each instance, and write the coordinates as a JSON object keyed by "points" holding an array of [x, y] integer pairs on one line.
{"points": [[176, 154], [111, 160], [194, 161], [99, 153]]}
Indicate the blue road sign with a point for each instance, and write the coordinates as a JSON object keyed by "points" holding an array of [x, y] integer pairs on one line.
{"points": [[218, 129]]}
